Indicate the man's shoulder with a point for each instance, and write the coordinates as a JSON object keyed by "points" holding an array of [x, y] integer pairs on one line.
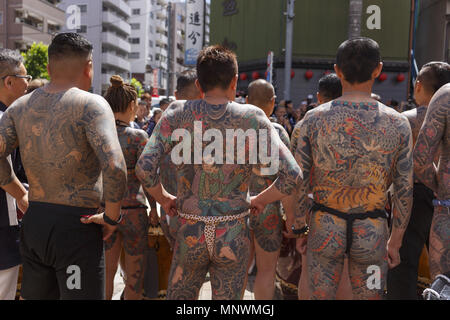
{"points": [[138, 134], [246, 110], [89, 98], [392, 113]]}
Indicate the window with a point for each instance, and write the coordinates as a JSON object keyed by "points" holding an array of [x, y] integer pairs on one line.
{"points": [[135, 26], [134, 55], [83, 29], [1, 18], [83, 8], [136, 12], [151, 29], [134, 40], [150, 43], [150, 57]]}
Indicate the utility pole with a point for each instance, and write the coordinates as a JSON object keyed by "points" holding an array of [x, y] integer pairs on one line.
{"points": [[288, 53], [355, 16], [170, 64]]}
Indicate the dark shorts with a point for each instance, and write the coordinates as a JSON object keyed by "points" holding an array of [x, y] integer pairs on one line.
{"points": [[62, 258]]}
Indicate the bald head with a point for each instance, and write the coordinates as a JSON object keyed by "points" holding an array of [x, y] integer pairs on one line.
{"points": [[262, 94]]}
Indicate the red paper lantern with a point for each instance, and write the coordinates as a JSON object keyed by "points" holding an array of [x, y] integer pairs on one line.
{"points": [[400, 77], [255, 75], [309, 74], [243, 76], [292, 74], [383, 77]]}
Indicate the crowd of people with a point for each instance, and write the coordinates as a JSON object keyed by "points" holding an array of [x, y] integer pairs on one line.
{"points": [[338, 198]]}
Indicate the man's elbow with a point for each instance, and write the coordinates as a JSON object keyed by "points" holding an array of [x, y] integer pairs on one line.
{"points": [[115, 181]]}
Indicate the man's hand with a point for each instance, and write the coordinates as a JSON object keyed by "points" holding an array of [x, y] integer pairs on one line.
{"points": [[256, 205], [108, 229], [22, 203], [301, 245], [393, 255], [153, 218], [169, 204]]}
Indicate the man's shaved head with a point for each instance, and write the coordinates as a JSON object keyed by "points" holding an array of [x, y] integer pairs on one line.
{"points": [[261, 94], [186, 88]]}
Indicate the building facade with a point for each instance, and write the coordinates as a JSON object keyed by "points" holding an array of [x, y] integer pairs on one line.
{"points": [[177, 36], [433, 31], [106, 24], [320, 26], [23, 22]]}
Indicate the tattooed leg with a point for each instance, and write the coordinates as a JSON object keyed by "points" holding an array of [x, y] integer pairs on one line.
{"points": [[229, 267], [113, 248], [134, 229], [190, 262], [166, 228], [266, 263], [267, 237], [325, 255], [440, 242], [368, 256]]}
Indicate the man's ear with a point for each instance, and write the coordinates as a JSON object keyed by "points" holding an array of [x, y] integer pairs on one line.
{"points": [[319, 98], [199, 87], [376, 73], [88, 68]]}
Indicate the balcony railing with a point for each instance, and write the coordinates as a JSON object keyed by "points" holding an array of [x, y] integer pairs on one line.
{"points": [[113, 20], [116, 61], [116, 41], [120, 5]]}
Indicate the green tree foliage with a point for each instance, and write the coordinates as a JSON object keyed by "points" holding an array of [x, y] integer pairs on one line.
{"points": [[138, 86], [36, 59]]}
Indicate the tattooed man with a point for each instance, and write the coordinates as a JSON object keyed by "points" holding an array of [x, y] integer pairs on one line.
{"points": [[350, 151], [330, 88], [186, 90], [68, 141], [436, 131], [213, 178], [402, 280], [13, 85], [266, 227]]}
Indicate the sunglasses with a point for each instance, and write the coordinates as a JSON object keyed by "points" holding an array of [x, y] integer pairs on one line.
{"points": [[27, 77]]}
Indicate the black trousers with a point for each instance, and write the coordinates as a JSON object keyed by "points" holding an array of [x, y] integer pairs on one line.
{"points": [[62, 258], [402, 280]]}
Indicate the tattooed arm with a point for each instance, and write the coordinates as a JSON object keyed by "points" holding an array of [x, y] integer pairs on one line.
{"points": [[150, 161], [403, 186], [429, 139], [102, 136], [8, 180], [289, 174], [303, 156]]}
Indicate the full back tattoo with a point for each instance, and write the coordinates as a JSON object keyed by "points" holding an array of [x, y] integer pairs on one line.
{"points": [[350, 154], [68, 143], [434, 132], [212, 190]]}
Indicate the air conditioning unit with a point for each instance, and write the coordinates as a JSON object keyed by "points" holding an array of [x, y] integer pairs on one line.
{"points": [[23, 14]]}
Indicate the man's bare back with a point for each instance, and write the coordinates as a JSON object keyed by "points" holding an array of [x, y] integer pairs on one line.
{"points": [[350, 154], [66, 139]]}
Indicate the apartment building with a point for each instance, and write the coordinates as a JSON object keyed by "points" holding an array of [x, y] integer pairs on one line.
{"points": [[106, 24], [23, 22], [177, 36]]}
